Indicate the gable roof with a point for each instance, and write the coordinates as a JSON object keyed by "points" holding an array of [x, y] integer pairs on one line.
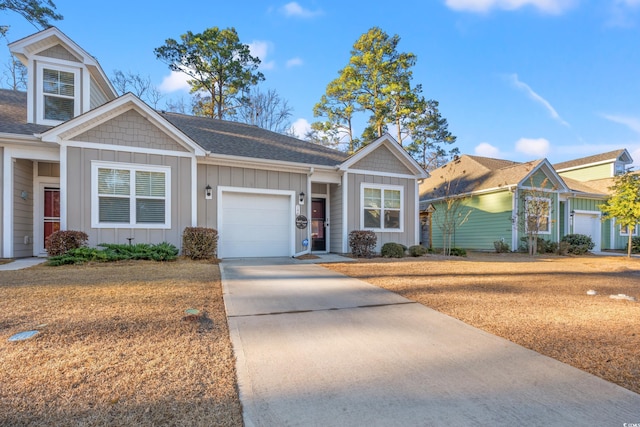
{"points": [[40, 41], [243, 140], [400, 153], [472, 174], [608, 157]]}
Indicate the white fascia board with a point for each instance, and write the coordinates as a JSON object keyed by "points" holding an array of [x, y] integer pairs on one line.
{"points": [[252, 162]]}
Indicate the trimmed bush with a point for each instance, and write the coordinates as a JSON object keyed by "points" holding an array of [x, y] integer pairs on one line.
{"points": [[200, 243], [116, 252], [392, 250], [458, 252], [579, 244], [362, 243], [635, 244], [63, 241], [544, 246], [501, 246], [417, 250]]}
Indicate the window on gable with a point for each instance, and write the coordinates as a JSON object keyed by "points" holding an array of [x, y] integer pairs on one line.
{"points": [[131, 196], [381, 207], [538, 215], [58, 88]]}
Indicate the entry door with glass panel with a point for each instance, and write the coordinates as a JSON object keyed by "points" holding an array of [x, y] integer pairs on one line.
{"points": [[318, 230], [51, 214]]}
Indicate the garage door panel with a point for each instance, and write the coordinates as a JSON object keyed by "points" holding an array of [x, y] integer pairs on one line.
{"points": [[255, 225]]}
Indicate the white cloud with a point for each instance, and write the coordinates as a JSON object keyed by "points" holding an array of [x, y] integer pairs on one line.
{"points": [[261, 49], [485, 149], [538, 147], [539, 99], [295, 10], [483, 6], [632, 123], [174, 82], [294, 62], [301, 127]]}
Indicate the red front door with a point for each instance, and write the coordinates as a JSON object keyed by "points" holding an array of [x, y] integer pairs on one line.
{"points": [[51, 211]]}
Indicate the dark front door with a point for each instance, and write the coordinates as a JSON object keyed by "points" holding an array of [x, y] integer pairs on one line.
{"points": [[318, 219]]}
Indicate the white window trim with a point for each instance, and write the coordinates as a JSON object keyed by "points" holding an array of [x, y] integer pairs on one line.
{"points": [[40, 91], [132, 168], [635, 231], [382, 187], [526, 220]]}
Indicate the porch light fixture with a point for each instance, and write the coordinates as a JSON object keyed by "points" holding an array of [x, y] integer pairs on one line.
{"points": [[24, 195], [301, 199], [208, 192]]}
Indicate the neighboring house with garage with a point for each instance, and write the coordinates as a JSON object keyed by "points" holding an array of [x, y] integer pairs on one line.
{"points": [[76, 156], [490, 197]]}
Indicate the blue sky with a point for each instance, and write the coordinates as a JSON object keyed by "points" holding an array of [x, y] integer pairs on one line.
{"points": [[516, 79]]}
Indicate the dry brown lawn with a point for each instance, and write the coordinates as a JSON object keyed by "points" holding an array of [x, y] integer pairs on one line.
{"points": [[540, 303], [114, 346]]}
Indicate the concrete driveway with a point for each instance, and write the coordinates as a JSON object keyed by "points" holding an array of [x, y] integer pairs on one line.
{"points": [[316, 348]]}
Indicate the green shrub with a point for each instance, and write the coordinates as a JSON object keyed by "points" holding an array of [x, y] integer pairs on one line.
{"points": [[579, 244], [362, 243], [501, 246], [200, 243], [417, 250], [116, 252], [392, 250], [63, 241], [563, 248], [458, 252], [635, 244], [543, 246]]}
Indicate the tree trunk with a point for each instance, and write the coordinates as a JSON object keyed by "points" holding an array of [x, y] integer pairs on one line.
{"points": [[630, 241]]}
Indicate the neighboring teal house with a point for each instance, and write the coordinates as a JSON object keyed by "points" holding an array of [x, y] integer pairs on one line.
{"points": [[481, 200]]}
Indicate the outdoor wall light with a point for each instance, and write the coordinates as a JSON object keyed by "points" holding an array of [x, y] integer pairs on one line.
{"points": [[208, 192], [24, 195], [301, 200]]}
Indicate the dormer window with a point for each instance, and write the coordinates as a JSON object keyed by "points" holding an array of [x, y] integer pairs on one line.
{"points": [[58, 90], [58, 93], [619, 168]]}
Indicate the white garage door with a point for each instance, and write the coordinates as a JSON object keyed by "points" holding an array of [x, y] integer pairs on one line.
{"points": [[255, 225], [589, 224]]}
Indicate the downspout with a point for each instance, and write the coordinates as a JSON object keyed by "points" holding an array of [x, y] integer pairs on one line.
{"points": [[514, 218]]}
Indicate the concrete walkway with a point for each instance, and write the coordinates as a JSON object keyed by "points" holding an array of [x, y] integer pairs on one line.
{"points": [[315, 348], [20, 263]]}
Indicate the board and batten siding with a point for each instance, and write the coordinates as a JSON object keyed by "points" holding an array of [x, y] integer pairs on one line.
{"points": [[79, 188], [408, 236], [336, 212], [489, 219], [249, 178], [22, 209]]}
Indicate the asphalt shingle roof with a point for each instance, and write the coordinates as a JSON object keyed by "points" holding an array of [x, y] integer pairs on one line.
{"points": [[240, 139], [217, 136], [469, 174], [611, 155], [13, 114]]}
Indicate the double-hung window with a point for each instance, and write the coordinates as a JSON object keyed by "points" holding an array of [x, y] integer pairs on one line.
{"points": [[58, 93], [382, 207], [538, 215], [624, 230], [131, 196]]}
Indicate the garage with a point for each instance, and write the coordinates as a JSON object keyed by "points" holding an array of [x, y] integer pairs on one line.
{"points": [[255, 225], [588, 223]]}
